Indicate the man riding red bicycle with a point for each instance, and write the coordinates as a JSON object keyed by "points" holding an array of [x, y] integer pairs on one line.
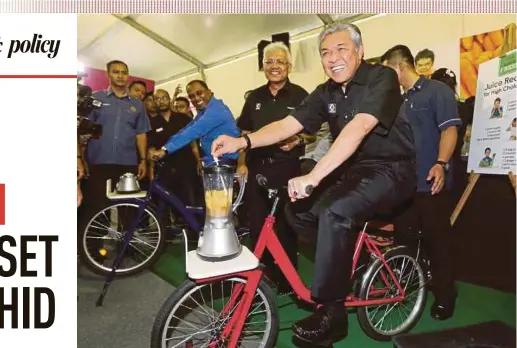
{"points": [[370, 165]]}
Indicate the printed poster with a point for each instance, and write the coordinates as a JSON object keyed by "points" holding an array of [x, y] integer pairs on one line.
{"points": [[493, 135], [475, 50]]}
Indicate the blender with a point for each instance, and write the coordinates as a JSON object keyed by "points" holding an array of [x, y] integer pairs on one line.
{"points": [[218, 241]]}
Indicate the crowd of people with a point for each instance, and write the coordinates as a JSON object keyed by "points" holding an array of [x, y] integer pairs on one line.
{"points": [[356, 139]]}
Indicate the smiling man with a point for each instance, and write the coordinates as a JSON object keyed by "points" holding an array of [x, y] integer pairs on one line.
{"points": [[279, 162], [361, 103], [213, 119]]}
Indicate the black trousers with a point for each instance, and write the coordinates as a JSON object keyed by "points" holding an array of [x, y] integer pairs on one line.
{"points": [[327, 217], [184, 182], [94, 191], [259, 206], [431, 214]]}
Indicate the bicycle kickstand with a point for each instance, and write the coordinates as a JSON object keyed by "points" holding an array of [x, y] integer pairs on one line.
{"points": [[116, 265]]}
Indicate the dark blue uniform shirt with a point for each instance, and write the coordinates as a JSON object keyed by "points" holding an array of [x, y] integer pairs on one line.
{"points": [[431, 108], [122, 119]]}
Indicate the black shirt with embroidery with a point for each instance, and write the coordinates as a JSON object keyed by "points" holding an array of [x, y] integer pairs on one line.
{"points": [[162, 130], [262, 108], [374, 90]]}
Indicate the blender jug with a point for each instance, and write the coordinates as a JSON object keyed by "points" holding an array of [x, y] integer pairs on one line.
{"points": [[218, 240]]}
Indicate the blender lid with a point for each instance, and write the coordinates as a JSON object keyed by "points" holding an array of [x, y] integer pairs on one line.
{"points": [[218, 168]]}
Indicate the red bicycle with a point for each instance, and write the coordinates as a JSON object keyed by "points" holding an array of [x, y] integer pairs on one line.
{"points": [[227, 304]]}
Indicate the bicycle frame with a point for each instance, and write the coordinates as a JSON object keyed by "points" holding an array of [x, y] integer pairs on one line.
{"points": [[189, 213], [268, 240]]}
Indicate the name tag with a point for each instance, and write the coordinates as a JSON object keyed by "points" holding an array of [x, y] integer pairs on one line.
{"points": [[159, 130]]}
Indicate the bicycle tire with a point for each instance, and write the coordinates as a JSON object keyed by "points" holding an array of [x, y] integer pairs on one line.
{"points": [[371, 272], [175, 300], [93, 267]]}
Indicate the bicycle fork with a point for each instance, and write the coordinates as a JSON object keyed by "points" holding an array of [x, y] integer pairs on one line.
{"points": [[233, 327]]}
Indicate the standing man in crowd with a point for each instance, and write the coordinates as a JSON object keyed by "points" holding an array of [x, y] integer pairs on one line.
{"points": [[214, 119], [433, 114], [278, 162], [361, 102], [150, 105], [181, 104], [424, 63], [124, 127], [137, 90], [179, 173]]}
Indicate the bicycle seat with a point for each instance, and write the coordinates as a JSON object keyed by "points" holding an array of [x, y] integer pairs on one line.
{"points": [[382, 219]]}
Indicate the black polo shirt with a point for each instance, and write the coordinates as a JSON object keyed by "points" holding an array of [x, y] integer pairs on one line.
{"points": [[262, 108], [162, 130], [374, 90]]}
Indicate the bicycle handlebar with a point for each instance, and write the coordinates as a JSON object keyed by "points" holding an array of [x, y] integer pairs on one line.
{"points": [[262, 181]]}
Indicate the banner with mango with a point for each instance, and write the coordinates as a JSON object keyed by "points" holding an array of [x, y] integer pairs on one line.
{"points": [[475, 50]]}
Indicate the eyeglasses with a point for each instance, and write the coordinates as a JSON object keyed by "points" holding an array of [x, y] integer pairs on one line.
{"points": [[280, 62]]}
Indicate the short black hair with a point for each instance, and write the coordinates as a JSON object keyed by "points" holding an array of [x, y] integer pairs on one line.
{"points": [[397, 54], [488, 149], [111, 62], [497, 100], [425, 53], [201, 82], [183, 99], [149, 94], [138, 82]]}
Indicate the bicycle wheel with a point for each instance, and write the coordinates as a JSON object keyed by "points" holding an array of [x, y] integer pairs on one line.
{"points": [[411, 276], [103, 238], [180, 324]]}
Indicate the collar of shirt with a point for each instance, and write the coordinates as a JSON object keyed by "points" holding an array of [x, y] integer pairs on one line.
{"points": [[419, 84], [110, 92], [360, 77], [213, 103], [285, 89]]}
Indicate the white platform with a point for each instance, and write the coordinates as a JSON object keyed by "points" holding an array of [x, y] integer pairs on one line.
{"points": [[200, 269], [115, 195]]}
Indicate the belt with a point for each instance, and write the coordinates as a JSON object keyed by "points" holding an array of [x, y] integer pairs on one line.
{"points": [[271, 160], [388, 159]]}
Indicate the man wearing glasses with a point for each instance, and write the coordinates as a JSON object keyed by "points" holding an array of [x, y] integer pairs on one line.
{"points": [[278, 162], [213, 119]]}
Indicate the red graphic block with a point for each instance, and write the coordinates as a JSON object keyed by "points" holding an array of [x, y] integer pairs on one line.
{"points": [[2, 204]]}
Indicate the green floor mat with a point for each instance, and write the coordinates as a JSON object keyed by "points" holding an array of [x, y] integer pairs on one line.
{"points": [[475, 304]]}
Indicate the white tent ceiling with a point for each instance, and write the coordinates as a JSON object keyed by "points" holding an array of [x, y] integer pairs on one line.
{"points": [[162, 47]]}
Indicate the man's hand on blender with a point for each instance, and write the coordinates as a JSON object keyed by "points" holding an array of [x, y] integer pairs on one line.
{"points": [[301, 187], [225, 144]]}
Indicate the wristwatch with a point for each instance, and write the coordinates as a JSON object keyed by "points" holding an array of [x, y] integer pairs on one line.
{"points": [[445, 165]]}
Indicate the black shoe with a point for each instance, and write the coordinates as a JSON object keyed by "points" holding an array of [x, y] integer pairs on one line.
{"points": [[325, 326], [442, 311]]}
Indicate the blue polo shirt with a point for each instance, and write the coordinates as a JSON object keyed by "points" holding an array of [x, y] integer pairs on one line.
{"points": [[122, 119], [215, 120], [431, 108]]}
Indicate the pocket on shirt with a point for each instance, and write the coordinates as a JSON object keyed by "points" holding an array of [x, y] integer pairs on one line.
{"points": [[130, 118]]}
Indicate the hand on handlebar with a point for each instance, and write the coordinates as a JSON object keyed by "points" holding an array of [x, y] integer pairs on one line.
{"points": [[156, 155], [301, 187]]}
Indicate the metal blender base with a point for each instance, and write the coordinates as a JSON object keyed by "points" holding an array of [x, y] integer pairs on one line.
{"points": [[219, 258]]}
